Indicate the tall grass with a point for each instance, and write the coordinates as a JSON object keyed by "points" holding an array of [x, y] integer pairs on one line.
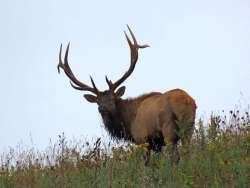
{"points": [[218, 156]]}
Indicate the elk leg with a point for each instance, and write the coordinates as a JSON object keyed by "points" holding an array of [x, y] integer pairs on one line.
{"points": [[156, 142], [185, 123], [186, 138], [147, 155], [171, 138]]}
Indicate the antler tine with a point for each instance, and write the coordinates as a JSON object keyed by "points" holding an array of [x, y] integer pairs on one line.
{"points": [[60, 64], [93, 84], [75, 87], [134, 47], [73, 80], [109, 82], [134, 39]]}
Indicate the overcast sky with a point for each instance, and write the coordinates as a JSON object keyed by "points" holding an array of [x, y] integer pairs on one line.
{"points": [[202, 47]]}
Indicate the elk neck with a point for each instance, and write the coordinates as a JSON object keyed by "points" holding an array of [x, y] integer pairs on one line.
{"points": [[118, 123]]}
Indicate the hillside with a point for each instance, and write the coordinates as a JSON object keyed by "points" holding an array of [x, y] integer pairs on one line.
{"points": [[219, 156]]}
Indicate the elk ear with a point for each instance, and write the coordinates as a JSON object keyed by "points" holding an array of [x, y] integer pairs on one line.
{"points": [[120, 91], [90, 98]]}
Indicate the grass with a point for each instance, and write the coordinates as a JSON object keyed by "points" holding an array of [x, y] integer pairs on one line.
{"points": [[218, 156]]}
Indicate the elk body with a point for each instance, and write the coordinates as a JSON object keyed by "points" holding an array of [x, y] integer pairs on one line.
{"points": [[154, 118]]}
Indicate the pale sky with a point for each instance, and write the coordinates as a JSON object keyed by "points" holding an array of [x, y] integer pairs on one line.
{"points": [[202, 47]]}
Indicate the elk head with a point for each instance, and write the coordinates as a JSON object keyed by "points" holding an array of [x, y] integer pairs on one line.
{"points": [[106, 100]]}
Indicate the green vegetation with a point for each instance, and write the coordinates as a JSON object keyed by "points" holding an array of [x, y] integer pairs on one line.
{"points": [[218, 156]]}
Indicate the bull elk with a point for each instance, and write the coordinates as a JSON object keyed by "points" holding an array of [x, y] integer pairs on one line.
{"points": [[153, 118]]}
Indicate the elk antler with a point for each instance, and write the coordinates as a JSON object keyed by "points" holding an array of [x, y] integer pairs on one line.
{"points": [[74, 82], [134, 57]]}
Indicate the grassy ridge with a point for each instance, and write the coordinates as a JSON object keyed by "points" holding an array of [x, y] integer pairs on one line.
{"points": [[219, 156]]}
